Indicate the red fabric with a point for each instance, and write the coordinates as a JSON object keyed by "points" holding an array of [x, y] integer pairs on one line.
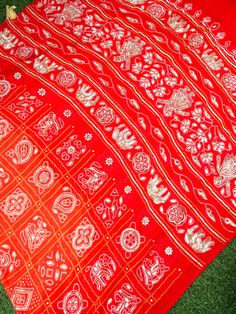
{"points": [[118, 164]]}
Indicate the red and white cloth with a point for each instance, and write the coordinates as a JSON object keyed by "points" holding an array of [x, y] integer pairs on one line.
{"points": [[118, 160]]}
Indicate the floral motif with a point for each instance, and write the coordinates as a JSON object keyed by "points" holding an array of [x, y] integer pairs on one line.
{"points": [[141, 162], [145, 221], [156, 10], [83, 237], [105, 115], [196, 40], [15, 204], [127, 189], [88, 136], [176, 214], [71, 150], [168, 250], [229, 81], [42, 92]]}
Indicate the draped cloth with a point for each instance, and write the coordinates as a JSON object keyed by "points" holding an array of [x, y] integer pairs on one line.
{"points": [[118, 160]]}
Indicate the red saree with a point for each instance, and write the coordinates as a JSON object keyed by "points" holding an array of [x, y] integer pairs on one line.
{"points": [[118, 160]]}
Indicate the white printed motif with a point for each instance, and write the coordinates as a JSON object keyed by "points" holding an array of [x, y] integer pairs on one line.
{"points": [[105, 115], [124, 301], [71, 150], [129, 49], [229, 81], [4, 177], [87, 96], [24, 52], [83, 237], [227, 172], [34, 234], [196, 40], [43, 177], [176, 214], [123, 137], [8, 260], [53, 269], [156, 10], [66, 78], [158, 193], [130, 240], [44, 65], [64, 204], [5, 87], [111, 208], [101, 271], [21, 298], [70, 13], [22, 152], [141, 163], [92, 178], [25, 105], [5, 128], [15, 204], [73, 302], [178, 24], [49, 126], [180, 99], [7, 40], [212, 60], [194, 236], [152, 270]]}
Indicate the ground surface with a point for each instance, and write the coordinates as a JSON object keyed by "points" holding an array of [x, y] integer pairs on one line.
{"points": [[214, 292]]}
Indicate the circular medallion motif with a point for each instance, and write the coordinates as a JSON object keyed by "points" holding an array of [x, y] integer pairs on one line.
{"points": [[5, 88], [43, 177], [229, 81], [66, 78], [196, 40], [141, 162], [156, 10], [73, 302], [105, 115], [130, 240], [176, 215], [24, 52]]}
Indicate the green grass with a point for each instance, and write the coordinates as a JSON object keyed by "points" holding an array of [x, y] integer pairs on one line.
{"points": [[214, 292]]}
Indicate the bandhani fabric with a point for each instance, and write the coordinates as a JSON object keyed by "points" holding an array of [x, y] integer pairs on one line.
{"points": [[118, 160]]}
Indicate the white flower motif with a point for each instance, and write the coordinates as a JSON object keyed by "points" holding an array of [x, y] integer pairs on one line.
{"points": [[42, 92], [148, 57], [218, 146], [171, 81], [128, 189], [77, 30], [88, 136], [97, 32], [197, 115], [144, 82], [117, 33], [67, 113], [154, 73], [89, 20], [191, 146], [201, 136], [169, 250], [159, 91], [185, 125], [145, 221], [109, 161], [206, 158], [137, 67], [17, 75]]}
